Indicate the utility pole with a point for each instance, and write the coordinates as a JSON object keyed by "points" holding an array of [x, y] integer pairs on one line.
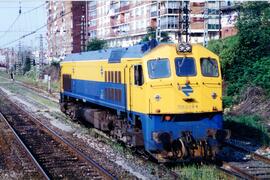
{"points": [[41, 53], [12, 58], [219, 19], [7, 60], [186, 20], [86, 25], [205, 17], [183, 21], [18, 64], [83, 33], [32, 59], [20, 7], [180, 30], [158, 34]]}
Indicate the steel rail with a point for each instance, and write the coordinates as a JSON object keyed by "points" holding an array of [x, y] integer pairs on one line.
{"points": [[33, 159], [228, 167], [241, 172], [107, 174], [226, 170], [253, 154]]}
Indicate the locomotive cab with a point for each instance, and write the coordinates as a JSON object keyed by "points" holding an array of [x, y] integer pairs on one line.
{"points": [[183, 83], [180, 94]]}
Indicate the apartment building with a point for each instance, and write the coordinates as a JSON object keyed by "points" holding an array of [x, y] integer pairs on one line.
{"points": [[65, 27], [124, 23], [230, 14]]}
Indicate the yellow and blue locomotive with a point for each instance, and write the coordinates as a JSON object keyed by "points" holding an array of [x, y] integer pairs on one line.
{"points": [[165, 98]]}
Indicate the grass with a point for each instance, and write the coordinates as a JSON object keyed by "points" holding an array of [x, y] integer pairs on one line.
{"points": [[4, 74], [247, 126], [32, 81], [2, 79], [202, 172], [17, 89]]}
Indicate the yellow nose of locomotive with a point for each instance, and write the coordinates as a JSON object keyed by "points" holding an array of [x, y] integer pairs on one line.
{"points": [[188, 82]]}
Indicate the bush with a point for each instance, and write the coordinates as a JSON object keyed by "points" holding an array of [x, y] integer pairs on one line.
{"points": [[247, 126], [245, 57], [227, 101], [55, 64], [96, 44], [261, 73], [32, 74]]}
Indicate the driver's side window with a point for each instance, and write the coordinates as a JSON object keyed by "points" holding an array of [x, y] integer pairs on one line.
{"points": [[138, 75]]}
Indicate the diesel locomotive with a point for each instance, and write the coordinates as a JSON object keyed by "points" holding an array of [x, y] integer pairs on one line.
{"points": [[165, 98]]}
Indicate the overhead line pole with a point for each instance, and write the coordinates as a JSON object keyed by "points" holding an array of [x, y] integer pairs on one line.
{"points": [[180, 30], [205, 17], [186, 12], [158, 35], [41, 53], [219, 19]]}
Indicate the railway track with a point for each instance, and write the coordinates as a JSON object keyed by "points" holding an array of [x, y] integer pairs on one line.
{"points": [[54, 156], [26, 150], [170, 174], [248, 165], [255, 167]]}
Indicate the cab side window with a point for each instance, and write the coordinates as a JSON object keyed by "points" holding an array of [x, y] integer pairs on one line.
{"points": [[138, 75], [209, 67]]}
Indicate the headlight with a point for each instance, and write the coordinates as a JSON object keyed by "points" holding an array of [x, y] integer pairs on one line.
{"points": [[184, 47], [214, 95]]}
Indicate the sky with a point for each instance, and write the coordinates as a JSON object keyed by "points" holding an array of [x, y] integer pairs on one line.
{"points": [[13, 26]]}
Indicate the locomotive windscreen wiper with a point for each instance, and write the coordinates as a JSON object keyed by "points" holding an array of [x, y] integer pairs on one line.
{"points": [[154, 65], [180, 64]]}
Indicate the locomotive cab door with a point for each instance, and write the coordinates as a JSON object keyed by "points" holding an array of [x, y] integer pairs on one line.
{"points": [[136, 90], [211, 83]]}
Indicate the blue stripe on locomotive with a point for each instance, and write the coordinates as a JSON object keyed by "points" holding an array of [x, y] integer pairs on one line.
{"points": [[94, 92], [154, 123]]}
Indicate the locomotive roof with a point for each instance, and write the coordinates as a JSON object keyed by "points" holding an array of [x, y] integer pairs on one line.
{"points": [[113, 55]]}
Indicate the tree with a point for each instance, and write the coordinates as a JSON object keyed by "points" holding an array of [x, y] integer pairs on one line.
{"points": [[96, 44], [26, 65], [151, 34], [245, 57]]}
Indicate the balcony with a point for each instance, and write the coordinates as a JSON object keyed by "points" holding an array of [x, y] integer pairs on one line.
{"points": [[93, 7], [213, 26], [154, 14], [197, 19], [124, 7], [114, 22], [169, 26], [213, 11], [198, 4], [197, 25]]}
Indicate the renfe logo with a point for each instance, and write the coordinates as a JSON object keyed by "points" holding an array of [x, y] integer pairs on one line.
{"points": [[187, 90]]}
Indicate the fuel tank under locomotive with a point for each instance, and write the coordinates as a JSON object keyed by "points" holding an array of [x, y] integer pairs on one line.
{"points": [[106, 121]]}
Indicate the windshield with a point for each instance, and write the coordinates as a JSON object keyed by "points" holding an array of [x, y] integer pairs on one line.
{"points": [[185, 66], [209, 67], [159, 68]]}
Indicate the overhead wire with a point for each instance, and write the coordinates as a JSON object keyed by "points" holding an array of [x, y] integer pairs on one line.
{"points": [[35, 31], [9, 28], [17, 18], [35, 8]]}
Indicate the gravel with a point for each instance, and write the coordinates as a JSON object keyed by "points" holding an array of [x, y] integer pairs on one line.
{"points": [[112, 155]]}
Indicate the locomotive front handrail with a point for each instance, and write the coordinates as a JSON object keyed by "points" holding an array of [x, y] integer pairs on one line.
{"points": [[161, 85]]}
